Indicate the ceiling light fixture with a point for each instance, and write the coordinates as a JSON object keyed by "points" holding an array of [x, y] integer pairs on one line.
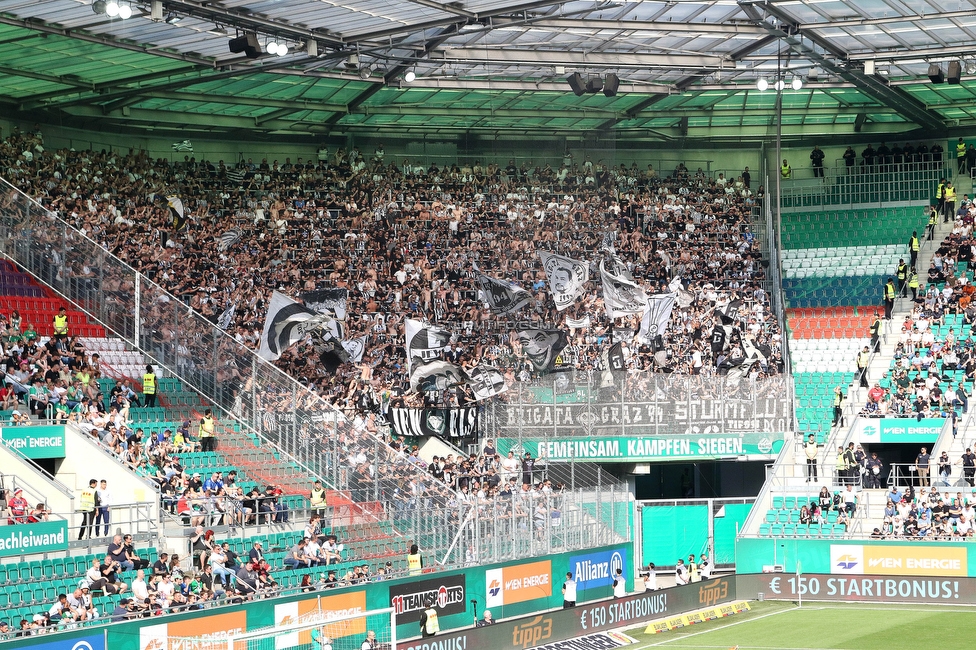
{"points": [[779, 85], [125, 11], [762, 84], [218, 30], [797, 83], [271, 47], [410, 76], [98, 6], [172, 18], [112, 8], [365, 72]]}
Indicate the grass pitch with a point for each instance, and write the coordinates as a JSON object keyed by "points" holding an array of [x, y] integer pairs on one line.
{"points": [[824, 626]]}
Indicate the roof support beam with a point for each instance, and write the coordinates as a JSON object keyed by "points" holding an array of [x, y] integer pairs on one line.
{"points": [[735, 55], [906, 105], [50, 78], [692, 29], [581, 59], [634, 110]]}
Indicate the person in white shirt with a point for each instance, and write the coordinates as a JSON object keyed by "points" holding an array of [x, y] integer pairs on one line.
{"points": [[680, 573], [704, 567], [650, 578], [619, 584], [569, 592], [140, 590]]}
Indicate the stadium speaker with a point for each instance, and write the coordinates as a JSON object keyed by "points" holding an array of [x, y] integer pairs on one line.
{"points": [[955, 72], [859, 122], [610, 85], [576, 83], [683, 125], [248, 44], [935, 74], [594, 85]]}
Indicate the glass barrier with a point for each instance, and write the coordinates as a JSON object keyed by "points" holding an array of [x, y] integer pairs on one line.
{"points": [[371, 479]]}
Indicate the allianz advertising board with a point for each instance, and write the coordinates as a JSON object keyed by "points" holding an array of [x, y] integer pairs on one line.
{"points": [[595, 569]]}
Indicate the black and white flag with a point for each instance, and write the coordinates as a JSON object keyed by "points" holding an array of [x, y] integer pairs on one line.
{"points": [[424, 341], [657, 315], [567, 278], [229, 238], [184, 146], [542, 347], [287, 323], [752, 356], [355, 347], [176, 211], [332, 354], [622, 295], [503, 297], [578, 323], [435, 375], [486, 382], [236, 175], [728, 313], [226, 317], [446, 423], [327, 301]]}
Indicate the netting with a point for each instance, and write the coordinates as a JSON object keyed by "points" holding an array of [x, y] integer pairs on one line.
{"points": [[308, 625]]}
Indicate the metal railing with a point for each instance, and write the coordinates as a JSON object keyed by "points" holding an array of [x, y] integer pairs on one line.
{"points": [[371, 477]]}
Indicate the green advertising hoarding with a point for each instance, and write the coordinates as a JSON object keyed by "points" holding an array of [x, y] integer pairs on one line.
{"points": [[857, 557], [618, 449], [35, 442], [906, 430], [520, 593], [42, 537]]}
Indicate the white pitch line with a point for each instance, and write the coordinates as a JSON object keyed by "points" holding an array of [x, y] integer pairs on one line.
{"points": [[724, 627]]}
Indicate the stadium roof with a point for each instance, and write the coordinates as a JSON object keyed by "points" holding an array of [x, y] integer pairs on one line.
{"points": [[492, 66]]}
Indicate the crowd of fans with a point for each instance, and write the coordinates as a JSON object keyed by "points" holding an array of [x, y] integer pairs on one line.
{"points": [[927, 514], [935, 390], [403, 237]]}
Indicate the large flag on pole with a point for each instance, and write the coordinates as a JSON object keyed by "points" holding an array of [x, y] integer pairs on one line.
{"points": [[424, 341], [287, 323], [486, 382], [229, 238], [656, 316], [503, 297], [355, 348], [227, 317], [567, 278], [176, 211], [622, 295]]}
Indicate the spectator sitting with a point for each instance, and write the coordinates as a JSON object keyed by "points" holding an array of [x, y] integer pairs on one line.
{"points": [[297, 557]]}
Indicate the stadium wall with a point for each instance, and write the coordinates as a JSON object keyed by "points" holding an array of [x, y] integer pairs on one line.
{"points": [[857, 557], [510, 590]]}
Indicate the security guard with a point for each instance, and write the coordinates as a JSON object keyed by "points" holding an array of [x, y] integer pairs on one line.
{"points": [[86, 501], [149, 387], [207, 432], [889, 298], [902, 275], [940, 195], [961, 156], [913, 284], [786, 171], [876, 333], [950, 203], [913, 245], [838, 406], [61, 324], [862, 365], [428, 620], [933, 220], [415, 563]]}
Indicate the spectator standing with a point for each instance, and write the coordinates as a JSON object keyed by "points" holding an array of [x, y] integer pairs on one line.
{"points": [[693, 575], [913, 246], [811, 450], [863, 359], [87, 500], [968, 462], [415, 562], [680, 573], [103, 498], [873, 467], [149, 387], [922, 465], [838, 406], [816, 159], [569, 592], [18, 507], [960, 157], [945, 468]]}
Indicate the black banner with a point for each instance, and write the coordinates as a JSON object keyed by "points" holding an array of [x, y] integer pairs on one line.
{"points": [[446, 423], [555, 626], [410, 599]]}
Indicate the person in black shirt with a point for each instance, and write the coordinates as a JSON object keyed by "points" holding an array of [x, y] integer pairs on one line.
{"points": [[160, 566], [968, 462], [817, 158]]}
